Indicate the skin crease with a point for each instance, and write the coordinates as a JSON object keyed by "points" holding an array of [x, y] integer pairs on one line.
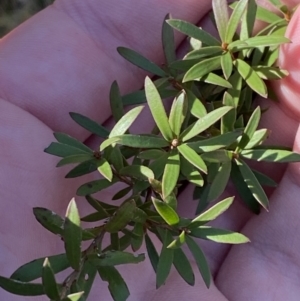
{"points": [[67, 61]]}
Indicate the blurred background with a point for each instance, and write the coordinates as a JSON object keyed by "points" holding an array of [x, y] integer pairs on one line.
{"points": [[14, 12]]}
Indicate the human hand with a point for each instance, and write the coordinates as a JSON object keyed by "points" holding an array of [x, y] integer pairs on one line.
{"points": [[64, 59]]}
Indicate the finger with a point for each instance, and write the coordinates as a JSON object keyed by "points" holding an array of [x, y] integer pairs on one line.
{"points": [[68, 56]]}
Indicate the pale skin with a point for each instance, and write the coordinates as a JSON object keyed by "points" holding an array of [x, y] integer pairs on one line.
{"points": [[63, 60]]}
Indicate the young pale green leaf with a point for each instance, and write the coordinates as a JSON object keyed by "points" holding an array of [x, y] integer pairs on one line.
{"points": [[251, 77], [122, 217], [104, 168], [204, 123], [152, 253], [196, 106], [116, 104], [165, 260], [212, 213], [219, 235], [178, 242], [200, 260], [178, 112], [137, 171], [74, 297], [220, 10], [157, 109], [93, 187], [271, 155], [116, 284], [258, 137], [171, 173], [190, 172], [271, 57], [125, 122], [33, 269], [190, 155], [21, 288], [263, 179], [235, 19], [166, 212], [266, 41], [193, 31], [226, 64], [72, 235], [214, 143], [66, 139], [183, 267], [113, 258], [83, 168], [266, 15], [90, 125], [215, 79], [49, 282], [151, 154], [203, 52], [168, 41], [202, 68], [74, 159], [249, 129], [253, 184], [248, 20], [270, 73], [63, 150], [140, 61]]}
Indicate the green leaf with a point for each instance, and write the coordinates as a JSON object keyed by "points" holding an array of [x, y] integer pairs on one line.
{"points": [[116, 284], [73, 297], [226, 64], [271, 155], [193, 31], [203, 52], [63, 150], [227, 121], [120, 194], [234, 20], [258, 137], [74, 159], [183, 267], [218, 156], [178, 112], [166, 212], [178, 242], [200, 260], [116, 104], [33, 269], [140, 61], [219, 235], [213, 212], [83, 168], [214, 143], [49, 282], [151, 154], [266, 15], [190, 155], [266, 41], [270, 73], [168, 41], [73, 235], [122, 217], [21, 288], [138, 231], [253, 184], [251, 77], [235, 92], [248, 20], [125, 122], [171, 173], [190, 172], [220, 10], [202, 68], [90, 125], [152, 253], [197, 108], [157, 109], [263, 179], [105, 169], [93, 187], [137, 171], [66, 139], [203, 123], [215, 79], [113, 258], [165, 260]]}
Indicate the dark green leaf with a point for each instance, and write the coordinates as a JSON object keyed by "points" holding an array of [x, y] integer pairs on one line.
{"points": [[74, 159], [168, 41], [263, 179], [138, 231], [190, 172], [83, 168], [227, 121], [120, 194], [226, 64], [200, 260], [152, 253], [178, 242], [72, 235], [271, 155], [140, 61], [116, 104], [137, 171], [49, 282], [90, 125], [203, 52], [93, 187], [151, 154], [183, 267], [236, 81], [218, 156], [105, 169], [166, 212], [193, 31], [66, 139], [270, 73], [116, 283], [220, 10], [63, 150]]}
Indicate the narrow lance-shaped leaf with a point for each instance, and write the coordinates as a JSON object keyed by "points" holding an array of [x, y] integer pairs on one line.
{"points": [[152, 253], [140, 61], [248, 20], [93, 187], [215, 79], [73, 297], [271, 155], [196, 106], [227, 121], [166, 212], [171, 173], [49, 282], [83, 168], [258, 137], [137, 171], [63, 150], [105, 169], [178, 242], [203, 52], [168, 41], [226, 63], [66, 139], [263, 179], [220, 10], [157, 109], [73, 235], [74, 159], [200, 260], [116, 104], [260, 41], [190, 172]]}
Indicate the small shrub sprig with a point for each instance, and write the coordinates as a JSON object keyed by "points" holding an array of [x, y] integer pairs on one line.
{"points": [[205, 140]]}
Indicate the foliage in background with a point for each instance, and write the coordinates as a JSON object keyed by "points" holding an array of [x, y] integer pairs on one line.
{"points": [[206, 140]]}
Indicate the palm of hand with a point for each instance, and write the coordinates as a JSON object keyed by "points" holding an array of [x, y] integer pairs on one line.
{"points": [[58, 73]]}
